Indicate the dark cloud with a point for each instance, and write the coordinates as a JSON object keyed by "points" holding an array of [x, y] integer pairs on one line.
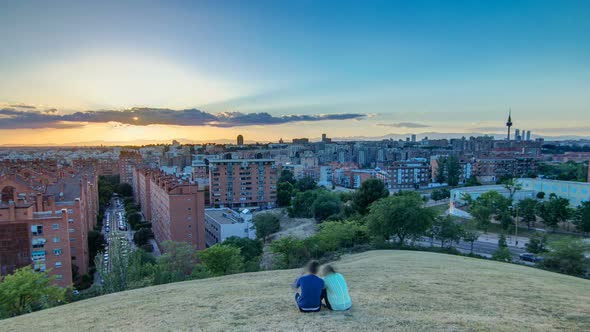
{"points": [[31, 107], [403, 125], [12, 118]]}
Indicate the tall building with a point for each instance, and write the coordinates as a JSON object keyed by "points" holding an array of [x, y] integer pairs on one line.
{"points": [[528, 135], [127, 160], [236, 183], [47, 221], [413, 138], [240, 140], [509, 124], [175, 207], [517, 135]]}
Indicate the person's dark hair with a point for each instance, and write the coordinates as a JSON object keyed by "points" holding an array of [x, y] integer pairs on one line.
{"points": [[328, 269], [313, 267]]}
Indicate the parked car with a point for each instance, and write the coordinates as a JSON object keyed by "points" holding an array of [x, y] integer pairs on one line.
{"points": [[530, 257]]}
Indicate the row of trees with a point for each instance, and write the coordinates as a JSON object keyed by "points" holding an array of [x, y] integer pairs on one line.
{"points": [[179, 262]]}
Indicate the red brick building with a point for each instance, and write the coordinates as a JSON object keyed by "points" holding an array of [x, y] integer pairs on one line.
{"points": [[242, 183], [45, 220], [127, 161], [175, 207]]}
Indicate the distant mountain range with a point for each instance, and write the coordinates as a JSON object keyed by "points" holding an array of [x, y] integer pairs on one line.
{"points": [[431, 135]]}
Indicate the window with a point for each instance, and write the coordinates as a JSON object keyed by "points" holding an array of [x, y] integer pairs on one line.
{"points": [[38, 243], [70, 220], [57, 264], [55, 226], [59, 277], [37, 229], [71, 230], [56, 239], [57, 252]]}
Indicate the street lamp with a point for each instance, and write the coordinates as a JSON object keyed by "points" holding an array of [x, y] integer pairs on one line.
{"points": [[515, 208]]}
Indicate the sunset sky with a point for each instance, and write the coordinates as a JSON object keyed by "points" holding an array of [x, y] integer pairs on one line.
{"points": [[81, 71]]}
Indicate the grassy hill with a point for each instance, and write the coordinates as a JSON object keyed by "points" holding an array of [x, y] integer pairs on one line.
{"points": [[391, 290]]}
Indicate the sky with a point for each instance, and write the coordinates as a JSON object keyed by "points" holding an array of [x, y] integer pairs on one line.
{"points": [[115, 71]]}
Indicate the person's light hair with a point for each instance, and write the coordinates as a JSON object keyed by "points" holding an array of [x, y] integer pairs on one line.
{"points": [[328, 269]]}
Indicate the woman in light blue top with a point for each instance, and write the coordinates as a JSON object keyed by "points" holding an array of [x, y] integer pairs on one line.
{"points": [[335, 294]]}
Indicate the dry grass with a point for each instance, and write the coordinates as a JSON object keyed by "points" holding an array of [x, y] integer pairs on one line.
{"points": [[391, 291]]}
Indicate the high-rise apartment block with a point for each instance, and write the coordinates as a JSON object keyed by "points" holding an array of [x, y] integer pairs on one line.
{"points": [[236, 183]]}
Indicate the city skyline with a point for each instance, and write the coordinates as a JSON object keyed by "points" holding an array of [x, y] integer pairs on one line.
{"points": [[208, 72]]}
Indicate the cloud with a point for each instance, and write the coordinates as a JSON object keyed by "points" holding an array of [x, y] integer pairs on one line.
{"points": [[403, 125], [22, 106], [13, 118]]}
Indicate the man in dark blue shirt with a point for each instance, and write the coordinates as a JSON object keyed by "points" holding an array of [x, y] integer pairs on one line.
{"points": [[310, 286]]}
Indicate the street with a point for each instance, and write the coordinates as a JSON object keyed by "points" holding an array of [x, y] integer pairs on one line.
{"points": [[480, 247]]}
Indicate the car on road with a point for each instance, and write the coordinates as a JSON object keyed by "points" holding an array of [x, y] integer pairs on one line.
{"points": [[530, 257]]}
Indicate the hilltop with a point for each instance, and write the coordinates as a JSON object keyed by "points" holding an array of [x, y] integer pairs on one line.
{"points": [[391, 290]]}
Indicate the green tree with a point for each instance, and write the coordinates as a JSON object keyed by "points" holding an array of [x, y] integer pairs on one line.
{"points": [[400, 216], [142, 236], [527, 210], [287, 176], [502, 254], [537, 243], [582, 217], [284, 193], [306, 183], [490, 204], [26, 291], [291, 252], [439, 194], [554, 211], [301, 205], [123, 189], [370, 191], [567, 256], [141, 269], [446, 230], [540, 195], [471, 234], [115, 277], [96, 243], [512, 185], [472, 181], [441, 173], [482, 214], [326, 205], [220, 260], [266, 224], [250, 250], [134, 219], [334, 235], [453, 168], [502, 241], [176, 263]]}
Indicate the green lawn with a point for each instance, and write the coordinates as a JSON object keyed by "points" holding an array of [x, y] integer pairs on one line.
{"points": [[391, 291]]}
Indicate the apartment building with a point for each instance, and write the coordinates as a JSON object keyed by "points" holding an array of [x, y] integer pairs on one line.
{"points": [[176, 207], [239, 183], [127, 160], [57, 217], [410, 174]]}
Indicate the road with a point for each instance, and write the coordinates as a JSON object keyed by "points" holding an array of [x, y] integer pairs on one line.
{"points": [[483, 248]]}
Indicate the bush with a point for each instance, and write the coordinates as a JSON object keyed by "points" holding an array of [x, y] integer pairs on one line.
{"points": [[266, 224], [567, 256], [142, 236], [148, 247], [502, 254], [220, 260]]}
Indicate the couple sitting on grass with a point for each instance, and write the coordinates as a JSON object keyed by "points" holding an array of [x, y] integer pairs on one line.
{"points": [[331, 289]]}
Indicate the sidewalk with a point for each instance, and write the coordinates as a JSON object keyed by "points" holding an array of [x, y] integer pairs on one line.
{"points": [[493, 238]]}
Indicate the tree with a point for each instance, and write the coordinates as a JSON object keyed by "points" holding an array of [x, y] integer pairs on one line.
{"points": [[541, 195], [334, 235], [446, 230], [490, 204], [482, 215], [472, 181], [527, 210], [96, 243], [567, 256], [554, 211], [250, 250], [325, 205], [266, 224], [512, 185], [582, 217], [400, 216], [502, 241], [287, 176], [470, 234], [537, 243], [26, 291], [441, 176], [176, 263], [306, 183], [502, 254], [301, 205], [370, 191], [115, 278], [123, 189], [439, 194], [220, 260], [291, 252], [141, 267], [134, 219], [142, 236], [284, 193], [453, 168]]}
